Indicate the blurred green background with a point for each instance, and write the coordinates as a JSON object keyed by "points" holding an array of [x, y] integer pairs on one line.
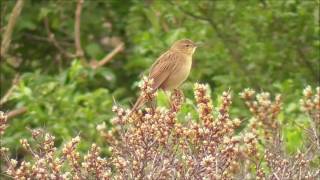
{"points": [[267, 45]]}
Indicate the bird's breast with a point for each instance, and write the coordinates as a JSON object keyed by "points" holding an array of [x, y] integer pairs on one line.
{"points": [[179, 75]]}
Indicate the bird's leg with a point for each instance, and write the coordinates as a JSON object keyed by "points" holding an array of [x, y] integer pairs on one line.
{"points": [[153, 104], [176, 99]]}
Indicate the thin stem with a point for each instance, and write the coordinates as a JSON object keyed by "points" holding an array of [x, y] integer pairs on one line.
{"points": [[77, 34], [9, 29]]}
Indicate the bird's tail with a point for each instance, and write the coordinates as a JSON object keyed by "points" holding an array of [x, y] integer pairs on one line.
{"points": [[139, 103]]}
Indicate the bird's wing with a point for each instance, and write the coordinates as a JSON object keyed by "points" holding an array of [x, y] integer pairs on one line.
{"points": [[162, 68]]}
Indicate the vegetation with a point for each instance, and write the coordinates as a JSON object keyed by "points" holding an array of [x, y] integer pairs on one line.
{"points": [[65, 64], [156, 145]]}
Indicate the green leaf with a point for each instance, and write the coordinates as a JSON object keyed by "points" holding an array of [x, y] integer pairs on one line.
{"points": [[294, 139], [162, 99], [43, 13]]}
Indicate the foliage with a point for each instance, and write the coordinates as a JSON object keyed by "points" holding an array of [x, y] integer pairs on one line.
{"points": [[61, 104]]}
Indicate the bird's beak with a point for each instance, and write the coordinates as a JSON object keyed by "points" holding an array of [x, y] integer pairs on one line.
{"points": [[198, 44]]}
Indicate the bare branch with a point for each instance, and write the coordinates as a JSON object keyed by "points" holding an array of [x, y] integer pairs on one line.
{"points": [[16, 112], [52, 39], [108, 57], [77, 39], [5, 98], [33, 37], [9, 29]]}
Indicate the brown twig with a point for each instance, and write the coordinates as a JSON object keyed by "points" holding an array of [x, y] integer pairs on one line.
{"points": [[52, 39], [77, 40], [9, 29], [33, 37], [5, 98], [108, 57], [16, 112]]}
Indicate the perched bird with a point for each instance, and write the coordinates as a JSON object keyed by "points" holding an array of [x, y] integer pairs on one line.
{"points": [[171, 69]]}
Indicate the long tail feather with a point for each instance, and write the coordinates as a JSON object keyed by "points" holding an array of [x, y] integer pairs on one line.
{"points": [[139, 103]]}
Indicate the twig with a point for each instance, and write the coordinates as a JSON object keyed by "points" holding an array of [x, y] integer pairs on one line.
{"points": [[77, 40], [16, 112], [9, 29], [5, 98], [52, 39], [45, 39], [108, 57]]}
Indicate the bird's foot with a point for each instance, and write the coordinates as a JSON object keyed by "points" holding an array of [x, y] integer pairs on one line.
{"points": [[176, 99]]}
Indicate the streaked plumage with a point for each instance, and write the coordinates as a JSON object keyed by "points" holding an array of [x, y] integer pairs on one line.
{"points": [[172, 68]]}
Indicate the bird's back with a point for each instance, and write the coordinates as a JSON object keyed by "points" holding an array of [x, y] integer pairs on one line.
{"points": [[163, 68]]}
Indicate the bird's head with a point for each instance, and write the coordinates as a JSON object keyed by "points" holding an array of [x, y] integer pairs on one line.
{"points": [[185, 46]]}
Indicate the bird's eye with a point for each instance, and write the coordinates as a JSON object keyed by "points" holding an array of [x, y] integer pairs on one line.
{"points": [[188, 45]]}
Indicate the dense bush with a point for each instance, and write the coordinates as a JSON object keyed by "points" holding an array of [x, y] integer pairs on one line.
{"points": [[155, 144]]}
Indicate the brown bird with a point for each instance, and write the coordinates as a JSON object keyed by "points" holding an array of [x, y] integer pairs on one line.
{"points": [[171, 69]]}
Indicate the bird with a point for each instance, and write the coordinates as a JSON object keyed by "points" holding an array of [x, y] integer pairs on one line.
{"points": [[171, 69]]}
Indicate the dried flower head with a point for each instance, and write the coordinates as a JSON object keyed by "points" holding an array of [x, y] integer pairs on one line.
{"points": [[156, 145], [264, 110], [147, 92], [310, 103], [3, 122]]}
